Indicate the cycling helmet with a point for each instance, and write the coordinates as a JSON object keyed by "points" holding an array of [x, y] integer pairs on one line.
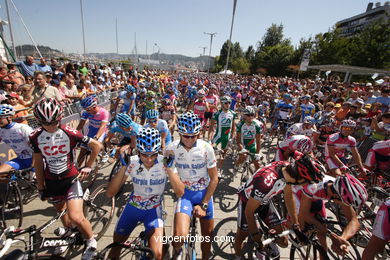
{"points": [[130, 88], [148, 140], [350, 190], [305, 145], [212, 86], [287, 96], [152, 113], [169, 89], [309, 120], [189, 123], [88, 102], [6, 110], [123, 120], [330, 121], [265, 103], [48, 110], [142, 90], [307, 168], [249, 111], [348, 123], [151, 94], [306, 97], [166, 101], [200, 94], [226, 99]]}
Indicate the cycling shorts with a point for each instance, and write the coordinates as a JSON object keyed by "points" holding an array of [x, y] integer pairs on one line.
{"points": [[208, 115], [381, 227], [266, 212], [125, 141], [63, 190], [20, 164], [186, 203], [223, 139], [92, 135], [251, 149], [131, 216]]}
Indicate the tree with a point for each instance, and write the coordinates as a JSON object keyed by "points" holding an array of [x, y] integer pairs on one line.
{"points": [[273, 36], [274, 59], [250, 53]]}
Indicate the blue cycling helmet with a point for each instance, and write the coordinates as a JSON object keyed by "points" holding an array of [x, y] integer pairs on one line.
{"points": [[148, 140], [123, 120], [6, 110], [287, 96], [151, 114], [130, 88], [88, 102], [189, 123], [309, 120]]}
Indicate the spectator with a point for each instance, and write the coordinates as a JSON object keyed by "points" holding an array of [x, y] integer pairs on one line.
{"points": [[355, 98], [27, 67], [83, 69], [42, 89], [370, 98], [7, 86], [342, 113], [70, 89], [26, 98], [384, 99], [21, 111], [44, 67], [375, 110]]}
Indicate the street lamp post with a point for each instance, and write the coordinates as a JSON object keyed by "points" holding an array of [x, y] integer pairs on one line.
{"points": [[230, 38], [211, 43]]}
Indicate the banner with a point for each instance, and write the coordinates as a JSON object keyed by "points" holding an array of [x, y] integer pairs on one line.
{"points": [[305, 60]]}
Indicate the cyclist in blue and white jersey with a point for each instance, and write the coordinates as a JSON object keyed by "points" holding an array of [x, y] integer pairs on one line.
{"points": [[236, 98], [127, 128], [149, 176], [307, 108], [196, 165], [283, 111], [161, 125], [16, 136], [307, 128], [128, 96]]}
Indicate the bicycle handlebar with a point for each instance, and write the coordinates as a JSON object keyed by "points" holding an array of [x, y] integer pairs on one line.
{"points": [[276, 236]]}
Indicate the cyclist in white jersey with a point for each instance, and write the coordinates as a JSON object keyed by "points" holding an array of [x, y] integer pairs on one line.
{"points": [[149, 177], [196, 164], [16, 136]]}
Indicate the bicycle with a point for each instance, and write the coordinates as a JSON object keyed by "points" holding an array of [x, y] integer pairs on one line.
{"points": [[95, 211], [189, 246], [135, 247], [12, 205]]}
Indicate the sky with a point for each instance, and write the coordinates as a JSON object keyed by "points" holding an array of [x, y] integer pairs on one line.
{"points": [[173, 26]]}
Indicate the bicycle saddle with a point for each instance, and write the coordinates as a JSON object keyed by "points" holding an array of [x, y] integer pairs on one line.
{"points": [[16, 254]]}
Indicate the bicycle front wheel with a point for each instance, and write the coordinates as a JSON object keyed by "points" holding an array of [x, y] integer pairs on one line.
{"points": [[99, 210], [12, 210]]}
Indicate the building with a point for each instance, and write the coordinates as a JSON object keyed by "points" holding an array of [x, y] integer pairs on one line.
{"points": [[354, 24]]}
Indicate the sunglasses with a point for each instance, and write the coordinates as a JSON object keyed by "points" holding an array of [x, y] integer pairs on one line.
{"points": [[249, 114], [90, 109], [148, 155], [190, 136], [50, 124], [226, 103], [152, 120], [347, 128]]}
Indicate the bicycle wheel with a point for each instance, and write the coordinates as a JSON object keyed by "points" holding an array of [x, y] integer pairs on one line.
{"points": [[89, 181], [225, 229], [12, 210], [99, 210], [313, 250], [115, 169], [353, 251]]}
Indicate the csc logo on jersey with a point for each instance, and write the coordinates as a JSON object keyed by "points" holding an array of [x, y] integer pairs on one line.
{"points": [[55, 150]]}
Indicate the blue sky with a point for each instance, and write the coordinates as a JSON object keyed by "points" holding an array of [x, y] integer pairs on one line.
{"points": [[176, 26]]}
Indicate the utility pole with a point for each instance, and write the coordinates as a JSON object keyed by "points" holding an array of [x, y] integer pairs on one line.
{"points": [[116, 32], [204, 50], [211, 43], [230, 38], [10, 30], [82, 25]]}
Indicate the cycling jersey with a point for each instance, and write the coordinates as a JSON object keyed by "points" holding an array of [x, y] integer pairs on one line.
{"points": [[134, 129], [266, 183], [95, 120], [379, 155], [297, 129], [236, 97], [284, 109], [381, 228], [193, 165], [57, 150], [290, 143], [148, 185], [162, 127], [340, 144], [248, 134], [127, 99], [200, 108], [212, 100], [225, 122], [307, 110], [16, 136], [323, 135], [167, 113]]}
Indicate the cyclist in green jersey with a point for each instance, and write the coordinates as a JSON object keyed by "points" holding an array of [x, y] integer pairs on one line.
{"points": [[249, 137], [224, 119]]}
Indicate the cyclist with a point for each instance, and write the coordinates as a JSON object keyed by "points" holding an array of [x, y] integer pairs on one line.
{"points": [[213, 101], [200, 106], [256, 194], [306, 128], [98, 120], [263, 112], [128, 96], [225, 126], [307, 108], [56, 173], [325, 130], [345, 190], [378, 157], [127, 128], [153, 121], [196, 165], [236, 98], [248, 137], [149, 177], [16, 136], [293, 146], [283, 111], [380, 232], [168, 113], [337, 144]]}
